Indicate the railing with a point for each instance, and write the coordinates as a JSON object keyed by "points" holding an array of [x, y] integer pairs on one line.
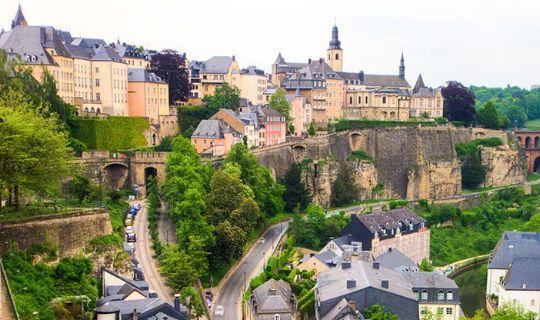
{"points": [[13, 308]]}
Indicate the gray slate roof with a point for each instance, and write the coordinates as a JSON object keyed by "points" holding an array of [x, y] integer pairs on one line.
{"points": [[389, 219], [208, 129], [217, 64], [143, 75], [429, 280], [274, 296], [88, 42], [514, 245], [523, 275], [343, 310], [375, 80], [396, 260], [327, 257], [30, 42]]}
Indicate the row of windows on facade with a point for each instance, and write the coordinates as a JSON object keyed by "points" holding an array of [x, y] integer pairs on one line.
{"points": [[440, 295], [162, 90], [156, 101], [92, 109], [440, 311]]}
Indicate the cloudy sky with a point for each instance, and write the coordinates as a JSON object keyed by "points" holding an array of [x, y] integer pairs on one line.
{"points": [[481, 42]]}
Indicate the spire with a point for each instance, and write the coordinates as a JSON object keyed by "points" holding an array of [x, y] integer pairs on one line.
{"points": [[279, 59], [335, 43], [19, 19], [402, 67], [419, 84]]}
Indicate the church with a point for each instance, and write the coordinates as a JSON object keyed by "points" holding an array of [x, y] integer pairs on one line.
{"points": [[334, 94]]}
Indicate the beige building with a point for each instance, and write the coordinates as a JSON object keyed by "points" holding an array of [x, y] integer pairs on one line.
{"points": [[217, 71], [426, 102], [134, 57], [253, 84]]}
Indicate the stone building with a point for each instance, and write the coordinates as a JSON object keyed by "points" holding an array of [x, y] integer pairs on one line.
{"points": [[426, 102], [273, 300], [400, 229]]}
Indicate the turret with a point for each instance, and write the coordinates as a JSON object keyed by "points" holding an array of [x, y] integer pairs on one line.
{"points": [[19, 19], [402, 67]]}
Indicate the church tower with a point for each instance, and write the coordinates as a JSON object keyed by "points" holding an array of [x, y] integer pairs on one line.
{"points": [[19, 19], [402, 67], [335, 53]]}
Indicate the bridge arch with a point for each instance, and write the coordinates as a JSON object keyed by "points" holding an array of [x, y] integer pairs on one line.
{"points": [[355, 140], [116, 175], [527, 142], [299, 152]]}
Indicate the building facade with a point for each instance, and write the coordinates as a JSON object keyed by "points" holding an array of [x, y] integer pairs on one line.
{"points": [[400, 229], [426, 102], [513, 272], [148, 95], [215, 72], [253, 84]]}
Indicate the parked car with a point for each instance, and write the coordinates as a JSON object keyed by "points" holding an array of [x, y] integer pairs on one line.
{"points": [[130, 229], [128, 222], [131, 237], [220, 311], [129, 216], [129, 247]]}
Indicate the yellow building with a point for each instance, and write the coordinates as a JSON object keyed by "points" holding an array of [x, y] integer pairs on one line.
{"points": [[134, 57], [217, 71]]}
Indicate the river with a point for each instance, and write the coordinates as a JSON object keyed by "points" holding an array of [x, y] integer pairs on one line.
{"points": [[472, 289]]}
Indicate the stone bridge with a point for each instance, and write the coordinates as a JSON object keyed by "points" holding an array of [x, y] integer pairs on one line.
{"points": [[119, 170], [530, 142]]}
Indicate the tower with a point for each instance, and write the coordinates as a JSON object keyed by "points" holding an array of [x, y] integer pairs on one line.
{"points": [[402, 67], [19, 19], [335, 53]]}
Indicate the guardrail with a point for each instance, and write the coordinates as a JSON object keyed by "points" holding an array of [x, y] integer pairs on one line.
{"points": [[13, 308], [456, 268]]}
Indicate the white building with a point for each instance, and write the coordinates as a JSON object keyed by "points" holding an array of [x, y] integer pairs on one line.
{"points": [[514, 271]]}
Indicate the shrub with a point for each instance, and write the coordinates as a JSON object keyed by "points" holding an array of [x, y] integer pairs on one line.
{"points": [[395, 204], [114, 195], [360, 155]]}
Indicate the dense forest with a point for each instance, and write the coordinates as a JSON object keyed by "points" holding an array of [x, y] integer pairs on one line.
{"points": [[519, 105]]}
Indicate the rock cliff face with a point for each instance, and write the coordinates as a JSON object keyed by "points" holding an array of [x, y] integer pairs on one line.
{"points": [[504, 166]]}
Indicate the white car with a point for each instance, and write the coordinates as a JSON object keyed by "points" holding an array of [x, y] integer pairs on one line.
{"points": [[220, 311], [130, 229]]}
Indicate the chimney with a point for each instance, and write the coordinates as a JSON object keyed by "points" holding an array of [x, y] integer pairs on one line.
{"points": [[361, 76], [376, 265], [385, 284], [309, 60], [351, 283], [321, 60], [152, 294], [346, 264], [177, 302]]}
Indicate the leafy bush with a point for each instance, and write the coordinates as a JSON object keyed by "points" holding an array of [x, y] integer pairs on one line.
{"points": [[395, 204], [441, 120], [360, 155]]}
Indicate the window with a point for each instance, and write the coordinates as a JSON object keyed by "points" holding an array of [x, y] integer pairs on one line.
{"points": [[532, 302], [366, 99], [384, 100], [440, 295], [424, 295], [449, 311], [440, 310], [417, 295], [277, 317], [449, 295], [97, 82], [337, 56], [98, 97], [97, 70], [350, 100]]}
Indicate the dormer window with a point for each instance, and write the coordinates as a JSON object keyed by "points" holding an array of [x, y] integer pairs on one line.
{"points": [[424, 295], [417, 295], [440, 295], [449, 295]]}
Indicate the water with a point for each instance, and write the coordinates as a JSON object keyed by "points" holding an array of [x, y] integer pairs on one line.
{"points": [[472, 289]]}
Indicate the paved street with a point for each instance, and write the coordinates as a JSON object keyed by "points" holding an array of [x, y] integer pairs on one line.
{"points": [[144, 254], [230, 292]]}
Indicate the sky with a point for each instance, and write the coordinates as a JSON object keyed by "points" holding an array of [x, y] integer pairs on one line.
{"points": [[480, 42]]}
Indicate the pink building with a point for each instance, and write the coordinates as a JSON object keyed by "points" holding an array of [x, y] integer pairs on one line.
{"points": [[300, 112], [275, 126]]}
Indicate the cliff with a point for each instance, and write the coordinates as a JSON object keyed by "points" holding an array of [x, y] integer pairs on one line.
{"points": [[503, 165]]}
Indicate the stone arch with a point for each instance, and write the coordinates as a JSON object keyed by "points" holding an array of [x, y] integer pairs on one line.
{"points": [[355, 140], [527, 142], [299, 152], [536, 142], [536, 165], [148, 172], [92, 109], [98, 111], [392, 115], [384, 115], [116, 176]]}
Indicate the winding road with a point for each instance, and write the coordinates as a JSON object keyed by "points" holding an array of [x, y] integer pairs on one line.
{"points": [[232, 288], [144, 254]]}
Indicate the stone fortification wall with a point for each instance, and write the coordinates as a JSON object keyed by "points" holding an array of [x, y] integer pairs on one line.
{"points": [[69, 232]]}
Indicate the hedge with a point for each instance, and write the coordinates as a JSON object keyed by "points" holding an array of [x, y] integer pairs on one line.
{"points": [[346, 124], [113, 133]]}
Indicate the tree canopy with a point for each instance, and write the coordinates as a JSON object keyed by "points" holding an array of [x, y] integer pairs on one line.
{"points": [[225, 97], [458, 102], [170, 66], [489, 117], [296, 194], [345, 190], [278, 101]]}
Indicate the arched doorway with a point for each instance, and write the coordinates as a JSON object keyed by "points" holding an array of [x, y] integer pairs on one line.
{"points": [[149, 172], [527, 142], [536, 165], [116, 176], [536, 142]]}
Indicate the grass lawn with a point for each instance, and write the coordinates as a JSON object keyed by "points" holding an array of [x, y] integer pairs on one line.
{"points": [[533, 177], [458, 242], [482, 189], [533, 124]]}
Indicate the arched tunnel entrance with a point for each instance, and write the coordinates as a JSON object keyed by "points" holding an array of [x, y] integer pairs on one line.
{"points": [[149, 172], [116, 176]]}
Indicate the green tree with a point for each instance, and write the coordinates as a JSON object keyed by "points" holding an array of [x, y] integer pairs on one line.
{"points": [[225, 97], [278, 101], [512, 312], [489, 117], [378, 312], [226, 194], [473, 172], [311, 130], [425, 265], [177, 265], [296, 194], [247, 215], [165, 145], [533, 225], [79, 187], [268, 193], [345, 190], [34, 152], [230, 242]]}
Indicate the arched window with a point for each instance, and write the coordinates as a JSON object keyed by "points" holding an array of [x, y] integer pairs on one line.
{"points": [[277, 317], [417, 295], [154, 138], [440, 295], [350, 100], [98, 111], [384, 100], [424, 295], [449, 295], [337, 56], [92, 109], [366, 99], [86, 109]]}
